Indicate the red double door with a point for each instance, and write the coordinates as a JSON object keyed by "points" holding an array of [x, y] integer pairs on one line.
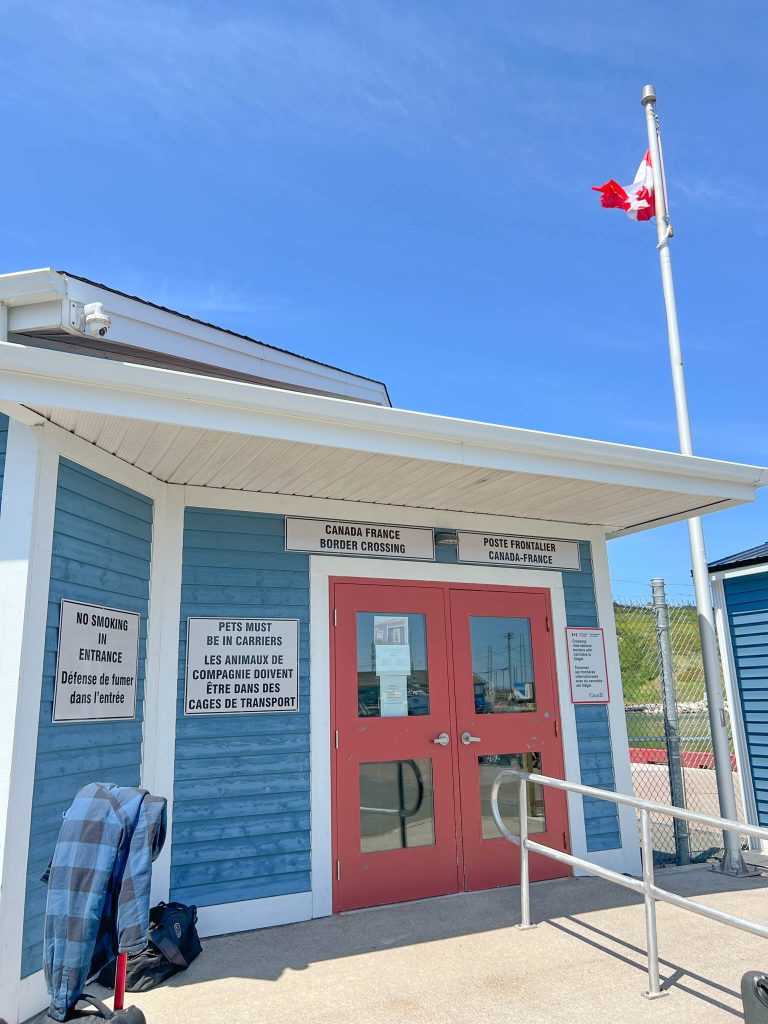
{"points": [[436, 688]]}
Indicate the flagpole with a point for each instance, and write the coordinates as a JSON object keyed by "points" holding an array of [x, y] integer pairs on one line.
{"points": [[732, 862]]}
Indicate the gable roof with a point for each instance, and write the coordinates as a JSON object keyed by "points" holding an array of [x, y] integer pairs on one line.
{"points": [[752, 556], [224, 330]]}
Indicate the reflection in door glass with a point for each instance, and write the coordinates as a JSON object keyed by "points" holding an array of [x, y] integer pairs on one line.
{"points": [[396, 808], [392, 678], [502, 665], [490, 765]]}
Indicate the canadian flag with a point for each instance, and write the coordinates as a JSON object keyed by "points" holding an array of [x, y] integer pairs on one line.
{"points": [[637, 199]]}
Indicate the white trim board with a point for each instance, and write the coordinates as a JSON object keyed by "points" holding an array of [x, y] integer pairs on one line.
{"points": [[161, 670], [44, 377], [26, 536], [729, 574], [247, 915]]}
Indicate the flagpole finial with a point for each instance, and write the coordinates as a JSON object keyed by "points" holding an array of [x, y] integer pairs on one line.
{"points": [[648, 96]]}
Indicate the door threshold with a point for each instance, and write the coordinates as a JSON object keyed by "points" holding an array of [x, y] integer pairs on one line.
{"points": [[424, 899]]}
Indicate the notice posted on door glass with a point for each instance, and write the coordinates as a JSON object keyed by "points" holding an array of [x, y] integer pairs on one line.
{"points": [[587, 666], [393, 663], [241, 666]]}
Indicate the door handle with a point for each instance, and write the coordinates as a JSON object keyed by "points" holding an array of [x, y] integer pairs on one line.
{"points": [[443, 739], [467, 738]]}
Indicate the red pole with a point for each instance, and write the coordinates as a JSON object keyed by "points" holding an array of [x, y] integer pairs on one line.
{"points": [[122, 965]]}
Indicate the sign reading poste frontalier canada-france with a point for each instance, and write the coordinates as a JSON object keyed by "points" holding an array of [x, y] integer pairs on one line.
{"points": [[587, 666], [241, 666], [377, 540], [518, 552], [96, 664]]}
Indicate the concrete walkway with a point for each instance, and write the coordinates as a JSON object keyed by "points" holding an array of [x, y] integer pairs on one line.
{"points": [[459, 959]]}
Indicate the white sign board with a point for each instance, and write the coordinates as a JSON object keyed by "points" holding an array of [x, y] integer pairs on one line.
{"points": [[518, 552], [393, 663], [241, 666], [96, 665], [587, 666], [377, 540]]}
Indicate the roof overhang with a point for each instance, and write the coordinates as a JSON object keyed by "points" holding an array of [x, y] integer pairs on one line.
{"points": [[199, 431], [45, 308]]}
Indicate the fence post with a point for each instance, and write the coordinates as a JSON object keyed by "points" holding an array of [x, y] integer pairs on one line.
{"points": [[671, 725]]}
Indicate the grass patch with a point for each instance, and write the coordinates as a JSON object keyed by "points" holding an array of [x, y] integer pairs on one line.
{"points": [[638, 654]]}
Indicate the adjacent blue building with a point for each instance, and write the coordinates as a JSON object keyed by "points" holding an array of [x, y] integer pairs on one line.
{"points": [[740, 589]]}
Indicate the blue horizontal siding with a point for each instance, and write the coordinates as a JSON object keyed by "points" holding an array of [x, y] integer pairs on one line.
{"points": [[102, 540], [747, 603], [241, 822], [601, 819], [3, 448]]}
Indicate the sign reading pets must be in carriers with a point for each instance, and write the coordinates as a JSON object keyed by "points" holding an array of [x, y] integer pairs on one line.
{"points": [[241, 666]]}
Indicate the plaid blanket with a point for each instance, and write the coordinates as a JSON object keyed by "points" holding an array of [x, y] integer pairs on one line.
{"points": [[98, 886]]}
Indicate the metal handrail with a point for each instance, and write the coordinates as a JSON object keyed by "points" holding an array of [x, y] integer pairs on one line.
{"points": [[647, 888]]}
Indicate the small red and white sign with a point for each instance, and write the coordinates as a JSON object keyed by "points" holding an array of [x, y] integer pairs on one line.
{"points": [[587, 666]]}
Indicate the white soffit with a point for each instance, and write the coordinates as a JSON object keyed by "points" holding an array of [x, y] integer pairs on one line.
{"points": [[199, 431]]}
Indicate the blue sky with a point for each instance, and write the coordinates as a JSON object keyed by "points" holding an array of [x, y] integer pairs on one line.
{"points": [[404, 189]]}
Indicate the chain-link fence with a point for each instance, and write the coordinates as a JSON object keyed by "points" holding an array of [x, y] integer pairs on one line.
{"points": [[652, 728]]}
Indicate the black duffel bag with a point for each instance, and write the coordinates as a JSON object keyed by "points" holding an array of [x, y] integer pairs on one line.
{"points": [[173, 945]]}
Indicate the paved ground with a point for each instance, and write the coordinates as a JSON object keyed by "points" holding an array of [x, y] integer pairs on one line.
{"points": [[460, 959], [651, 782]]}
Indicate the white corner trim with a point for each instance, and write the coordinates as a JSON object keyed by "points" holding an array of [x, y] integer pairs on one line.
{"points": [[26, 536], [161, 675], [247, 915], [617, 719], [33, 997], [729, 574], [730, 679], [320, 742]]}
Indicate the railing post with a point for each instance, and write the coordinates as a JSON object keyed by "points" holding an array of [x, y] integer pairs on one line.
{"points": [[525, 882], [671, 724], [654, 984]]}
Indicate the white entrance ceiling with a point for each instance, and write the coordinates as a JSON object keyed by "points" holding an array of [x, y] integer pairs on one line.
{"points": [[197, 431], [210, 458]]}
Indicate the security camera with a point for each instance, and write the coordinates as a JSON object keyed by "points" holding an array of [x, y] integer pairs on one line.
{"points": [[97, 323]]}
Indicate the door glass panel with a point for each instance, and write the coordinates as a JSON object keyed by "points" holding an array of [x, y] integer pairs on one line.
{"points": [[392, 677], [502, 665], [490, 765], [396, 806]]}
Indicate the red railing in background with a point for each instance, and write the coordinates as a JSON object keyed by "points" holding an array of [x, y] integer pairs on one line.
{"points": [[690, 758]]}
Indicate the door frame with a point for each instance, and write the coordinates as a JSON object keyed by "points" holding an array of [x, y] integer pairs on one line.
{"points": [[371, 570]]}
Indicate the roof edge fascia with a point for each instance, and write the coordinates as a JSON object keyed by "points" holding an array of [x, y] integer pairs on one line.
{"points": [[43, 377]]}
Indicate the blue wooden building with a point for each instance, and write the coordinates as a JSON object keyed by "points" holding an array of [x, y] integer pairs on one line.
{"points": [[740, 589], [316, 623]]}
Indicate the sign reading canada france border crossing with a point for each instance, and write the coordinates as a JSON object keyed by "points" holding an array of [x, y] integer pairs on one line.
{"points": [[368, 540], [96, 664], [241, 666]]}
